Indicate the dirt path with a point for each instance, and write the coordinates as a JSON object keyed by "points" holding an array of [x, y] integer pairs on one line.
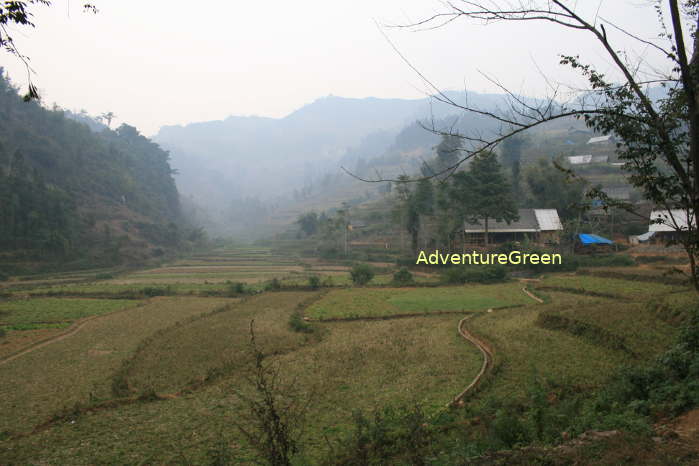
{"points": [[70, 331], [532, 295], [485, 350]]}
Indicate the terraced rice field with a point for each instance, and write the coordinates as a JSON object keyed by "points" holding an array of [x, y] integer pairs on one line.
{"points": [[158, 381], [383, 302], [78, 369]]}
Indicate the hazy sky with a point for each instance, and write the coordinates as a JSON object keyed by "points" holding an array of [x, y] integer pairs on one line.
{"points": [[162, 62]]}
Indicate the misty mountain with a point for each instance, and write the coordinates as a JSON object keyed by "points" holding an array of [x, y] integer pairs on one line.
{"points": [[244, 156]]}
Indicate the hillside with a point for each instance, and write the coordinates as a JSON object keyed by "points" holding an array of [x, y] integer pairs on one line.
{"points": [[70, 194]]}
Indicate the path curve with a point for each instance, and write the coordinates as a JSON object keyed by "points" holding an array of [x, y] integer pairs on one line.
{"points": [[72, 330], [532, 295], [488, 359]]}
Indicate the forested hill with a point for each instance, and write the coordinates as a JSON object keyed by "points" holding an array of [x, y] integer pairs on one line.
{"points": [[67, 192]]}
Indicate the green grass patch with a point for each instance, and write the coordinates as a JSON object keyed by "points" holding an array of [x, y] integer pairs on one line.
{"points": [[41, 312], [609, 286], [379, 302]]}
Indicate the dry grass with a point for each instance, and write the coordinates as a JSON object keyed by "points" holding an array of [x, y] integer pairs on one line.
{"points": [[78, 368], [190, 352], [358, 365], [522, 348]]}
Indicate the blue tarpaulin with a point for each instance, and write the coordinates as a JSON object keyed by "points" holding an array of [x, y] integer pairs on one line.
{"points": [[586, 238]]}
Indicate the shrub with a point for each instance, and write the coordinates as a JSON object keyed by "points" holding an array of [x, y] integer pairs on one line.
{"points": [[362, 274], [606, 260], [151, 291], [104, 276], [273, 284], [403, 277], [328, 281], [235, 289], [391, 436], [2, 332], [297, 324], [4, 276], [314, 282], [475, 274]]}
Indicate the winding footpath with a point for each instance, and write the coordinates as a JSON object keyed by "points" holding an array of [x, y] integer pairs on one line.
{"points": [[488, 359]]}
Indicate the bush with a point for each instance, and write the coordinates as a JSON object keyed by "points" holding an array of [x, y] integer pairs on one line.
{"points": [[273, 284], [475, 274], [4, 276], [606, 260], [362, 274], [235, 289], [314, 282], [297, 324], [151, 291], [328, 282], [2, 332], [104, 276], [390, 436], [403, 277]]}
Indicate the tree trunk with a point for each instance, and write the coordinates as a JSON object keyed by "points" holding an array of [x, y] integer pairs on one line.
{"points": [[486, 231]]}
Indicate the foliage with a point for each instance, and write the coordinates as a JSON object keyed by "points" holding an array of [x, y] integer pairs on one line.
{"points": [[483, 193], [475, 274], [236, 289], [53, 168], [274, 417], [403, 277], [447, 156], [297, 324], [551, 188], [362, 274], [390, 436], [151, 291], [273, 284], [314, 282], [309, 223], [511, 156]]}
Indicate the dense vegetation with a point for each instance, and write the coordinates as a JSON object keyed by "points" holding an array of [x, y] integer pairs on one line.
{"points": [[60, 183]]}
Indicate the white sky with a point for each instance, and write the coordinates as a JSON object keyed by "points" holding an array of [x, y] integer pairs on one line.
{"points": [[162, 62]]}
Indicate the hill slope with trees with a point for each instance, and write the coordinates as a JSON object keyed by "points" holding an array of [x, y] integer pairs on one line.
{"points": [[69, 193]]}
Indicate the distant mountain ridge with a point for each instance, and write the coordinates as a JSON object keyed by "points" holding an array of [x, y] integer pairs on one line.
{"points": [[252, 156]]}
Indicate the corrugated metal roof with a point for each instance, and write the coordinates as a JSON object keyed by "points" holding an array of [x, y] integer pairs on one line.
{"points": [[599, 139], [672, 220], [530, 221], [548, 219], [579, 159]]}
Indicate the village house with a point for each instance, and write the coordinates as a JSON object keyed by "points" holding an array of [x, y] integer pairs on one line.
{"points": [[601, 140], [587, 159], [668, 225], [541, 226]]}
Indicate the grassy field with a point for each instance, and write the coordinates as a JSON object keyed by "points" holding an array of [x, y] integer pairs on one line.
{"points": [[189, 356], [358, 302], [29, 314], [176, 357], [358, 365], [78, 369], [629, 289]]}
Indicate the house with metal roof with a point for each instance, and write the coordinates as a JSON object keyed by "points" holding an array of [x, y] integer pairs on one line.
{"points": [[587, 159], [669, 225], [601, 139], [537, 225]]}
